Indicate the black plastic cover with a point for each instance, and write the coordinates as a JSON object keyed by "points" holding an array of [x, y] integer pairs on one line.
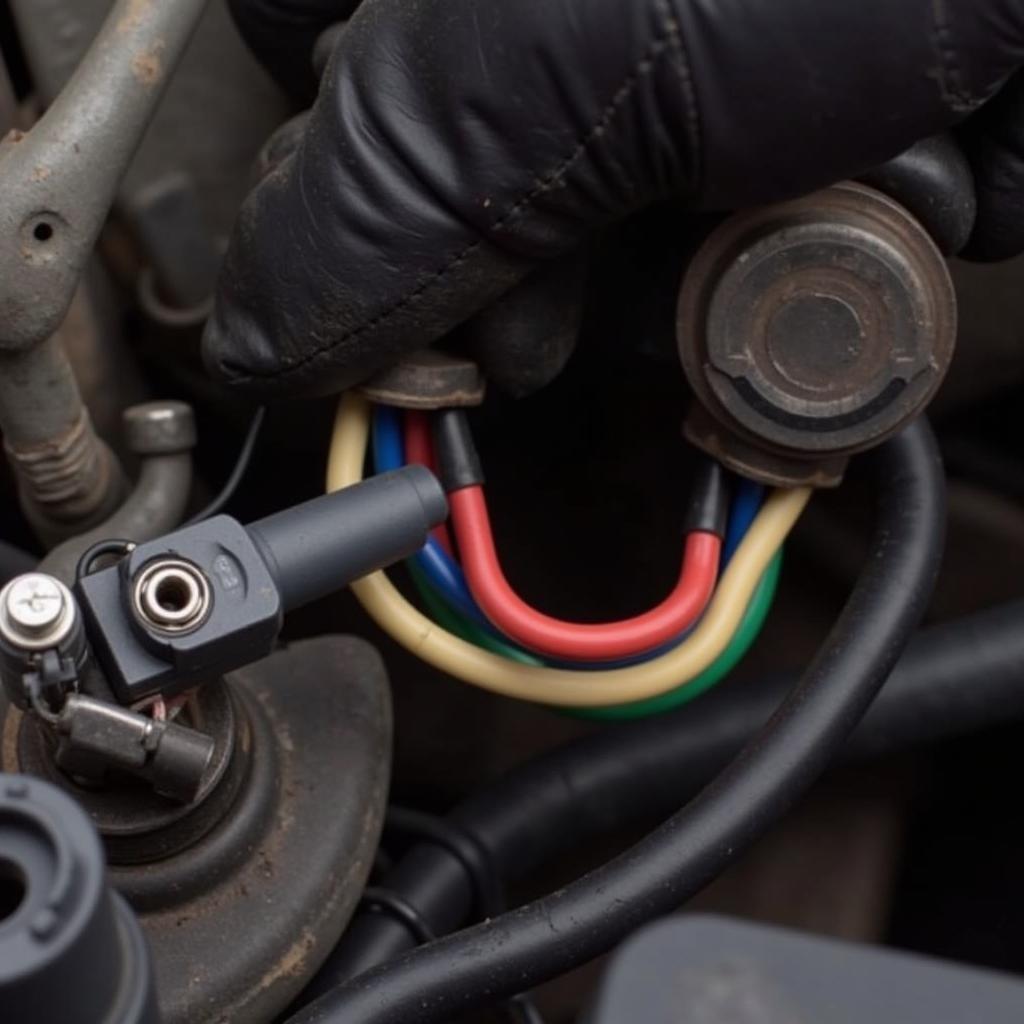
{"points": [[255, 574], [70, 949]]}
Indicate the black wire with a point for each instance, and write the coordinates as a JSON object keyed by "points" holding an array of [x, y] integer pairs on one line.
{"points": [[480, 870], [383, 901], [465, 847], [552, 935], [92, 554], [227, 492], [956, 678]]}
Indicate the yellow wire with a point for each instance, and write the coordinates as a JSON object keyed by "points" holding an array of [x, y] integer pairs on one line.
{"points": [[541, 684]]}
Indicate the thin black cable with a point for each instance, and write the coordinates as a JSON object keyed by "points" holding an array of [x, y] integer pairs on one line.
{"points": [[480, 870], [227, 492], [465, 847], [92, 554], [552, 935]]}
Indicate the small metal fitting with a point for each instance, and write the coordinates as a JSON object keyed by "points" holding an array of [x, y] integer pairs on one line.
{"points": [[100, 736], [811, 330], [160, 428], [428, 379], [171, 595], [37, 612]]}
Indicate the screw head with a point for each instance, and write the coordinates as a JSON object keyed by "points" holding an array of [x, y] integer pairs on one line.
{"points": [[36, 611]]}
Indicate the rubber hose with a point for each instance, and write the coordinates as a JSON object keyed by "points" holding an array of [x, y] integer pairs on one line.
{"points": [[955, 679], [546, 938]]}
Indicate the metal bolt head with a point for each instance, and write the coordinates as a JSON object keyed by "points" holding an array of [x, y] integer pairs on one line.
{"points": [[160, 428], [36, 611]]}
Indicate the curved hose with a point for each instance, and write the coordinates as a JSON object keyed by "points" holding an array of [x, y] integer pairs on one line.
{"points": [[155, 505], [955, 679], [552, 935]]}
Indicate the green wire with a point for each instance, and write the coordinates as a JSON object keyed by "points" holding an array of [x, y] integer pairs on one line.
{"points": [[455, 622], [743, 639]]}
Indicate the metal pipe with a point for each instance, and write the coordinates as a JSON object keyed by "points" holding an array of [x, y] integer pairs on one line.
{"points": [[164, 434], [68, 478], [59, 181]]}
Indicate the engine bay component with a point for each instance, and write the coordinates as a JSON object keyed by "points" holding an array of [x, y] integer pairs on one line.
{"points": [[210, 597], [70, 948], [162, 434], [429, 379], [59, 182], [544, 684], [39, 617], [811, 330], [244, 892], [732, 967], [97, 735]]}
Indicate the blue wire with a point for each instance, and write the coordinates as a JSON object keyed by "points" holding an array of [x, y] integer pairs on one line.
{"points": [[445, 574], [748, 497]]}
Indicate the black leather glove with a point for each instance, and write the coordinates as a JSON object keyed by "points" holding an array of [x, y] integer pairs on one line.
{"points": [[456, 145]]}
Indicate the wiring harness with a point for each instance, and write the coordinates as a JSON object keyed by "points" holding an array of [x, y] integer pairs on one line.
{"points": [[483, 633], [521, 948]]}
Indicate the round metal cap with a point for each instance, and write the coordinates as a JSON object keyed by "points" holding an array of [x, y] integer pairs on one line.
{"points": [[37, 612], [160, 428], [818, 326]]}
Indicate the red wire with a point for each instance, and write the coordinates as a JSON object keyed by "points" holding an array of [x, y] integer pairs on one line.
{"points": [[573, 640], [419, 451]]}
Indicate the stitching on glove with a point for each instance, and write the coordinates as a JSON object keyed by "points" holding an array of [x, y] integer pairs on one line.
{"points": [[658, 48], [674, 35]]}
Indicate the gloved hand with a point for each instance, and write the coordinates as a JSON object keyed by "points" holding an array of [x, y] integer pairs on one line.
{"points": [[456, 145]]}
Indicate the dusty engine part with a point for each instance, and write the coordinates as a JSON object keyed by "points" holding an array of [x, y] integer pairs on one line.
{"points": [[428, 379], [97, 736], [68, 478], [59, 182], [212, 143], [37, 615], [811, 330], [70, 949], [210, 597], [163, 435], [242, 893]]}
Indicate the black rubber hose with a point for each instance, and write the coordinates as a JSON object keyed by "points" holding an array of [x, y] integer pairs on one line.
{"points": [[552, 935], [955, 679]]}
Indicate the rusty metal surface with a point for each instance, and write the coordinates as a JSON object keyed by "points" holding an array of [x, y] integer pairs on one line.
{"points": [[68, 477], [239, 921], [816, 328], [428, 379], [163, 434], [60, 178], [730, 448], [219, 88]]}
